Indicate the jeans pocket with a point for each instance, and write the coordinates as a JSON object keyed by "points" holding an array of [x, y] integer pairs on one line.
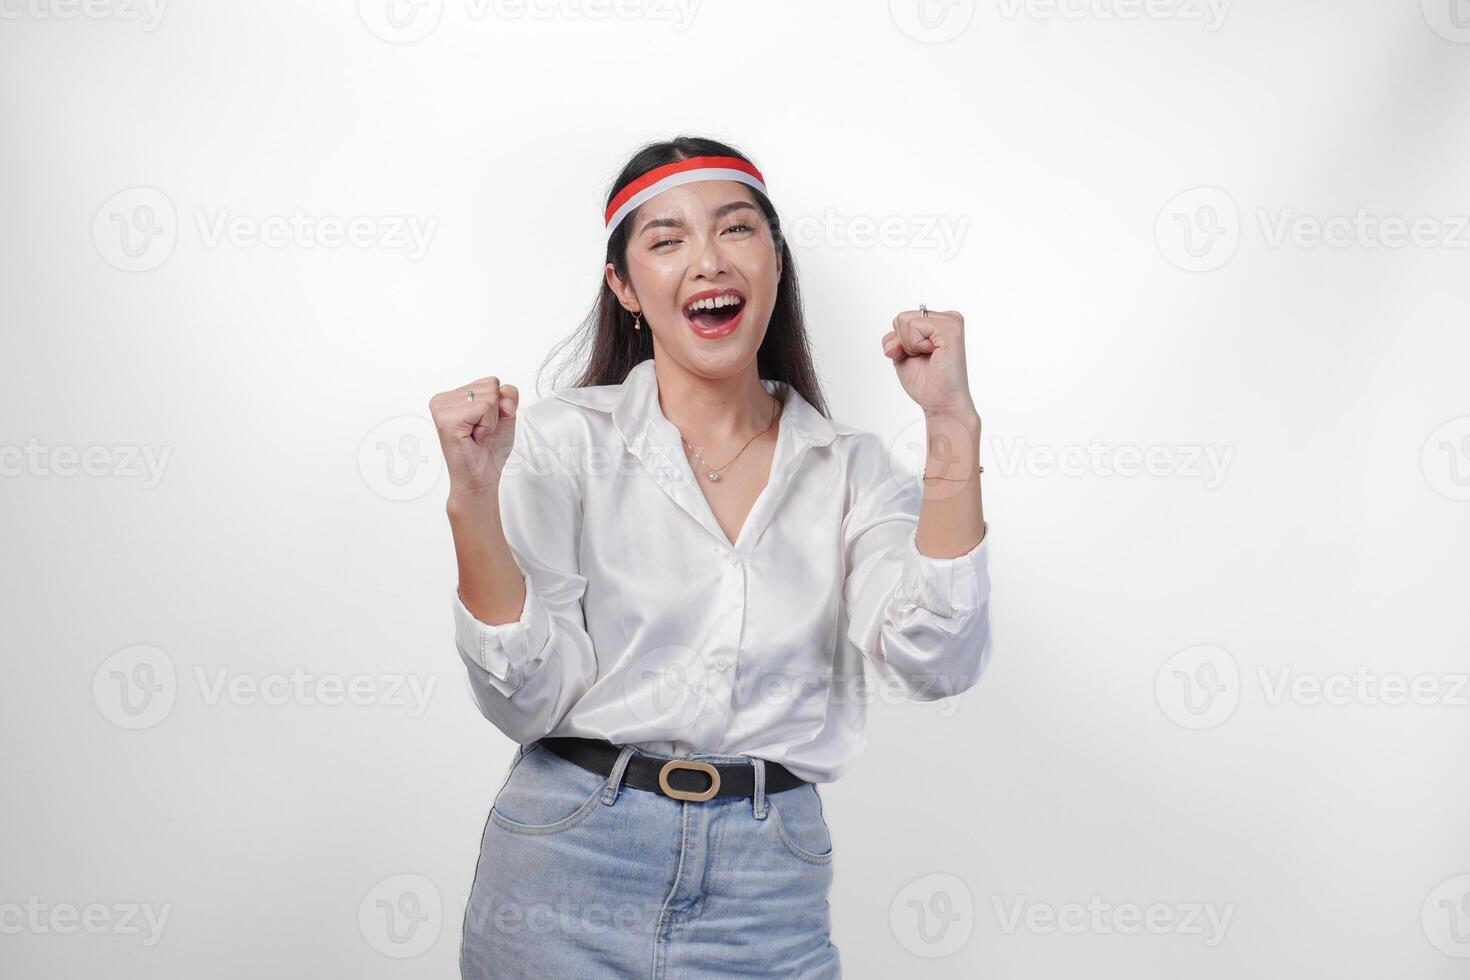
{"points": [[800, 823], [546, 794]]}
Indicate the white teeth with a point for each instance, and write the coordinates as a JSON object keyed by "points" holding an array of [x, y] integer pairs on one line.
{"points": [[714, 303]]}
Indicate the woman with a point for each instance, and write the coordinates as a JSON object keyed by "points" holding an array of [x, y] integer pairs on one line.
{"points": [[671, 575]]}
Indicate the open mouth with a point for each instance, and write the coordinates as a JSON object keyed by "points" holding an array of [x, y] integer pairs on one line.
{"points": [[711, 313]]}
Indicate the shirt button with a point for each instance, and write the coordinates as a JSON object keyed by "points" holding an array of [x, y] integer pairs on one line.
{"points": [[722, 663]]}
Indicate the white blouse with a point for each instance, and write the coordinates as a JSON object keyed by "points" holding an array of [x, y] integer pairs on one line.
{"points": [[643, 624]]}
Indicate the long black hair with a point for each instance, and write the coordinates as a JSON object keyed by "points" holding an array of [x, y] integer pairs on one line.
{"points": [[784, 355]]}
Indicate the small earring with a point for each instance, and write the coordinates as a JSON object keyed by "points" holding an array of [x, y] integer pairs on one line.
{"points": [[636, 317]]}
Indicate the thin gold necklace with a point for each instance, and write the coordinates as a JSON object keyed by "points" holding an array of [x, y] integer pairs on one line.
{"points": [[714, 472]]}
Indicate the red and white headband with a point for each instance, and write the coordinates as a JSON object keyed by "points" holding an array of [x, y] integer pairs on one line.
{"points": [[660, 179]]}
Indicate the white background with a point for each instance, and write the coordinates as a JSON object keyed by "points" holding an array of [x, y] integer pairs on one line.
{"points": [[1131, 743]]}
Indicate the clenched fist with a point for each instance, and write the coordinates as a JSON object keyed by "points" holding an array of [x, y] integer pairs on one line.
{"points": [[476, 433], [928, 353]]}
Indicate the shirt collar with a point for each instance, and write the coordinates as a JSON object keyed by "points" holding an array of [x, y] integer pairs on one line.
{"points": [[636, 413]]}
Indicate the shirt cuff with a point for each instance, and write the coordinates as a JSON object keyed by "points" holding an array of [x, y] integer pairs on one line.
{"points": [[503, 650], [946, 587]]}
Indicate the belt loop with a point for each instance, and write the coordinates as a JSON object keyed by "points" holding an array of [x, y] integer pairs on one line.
{"points": [[760, 787], [615, 778]]}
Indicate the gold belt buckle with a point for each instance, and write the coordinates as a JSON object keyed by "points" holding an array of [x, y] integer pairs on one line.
{"points": [[682, 794]]}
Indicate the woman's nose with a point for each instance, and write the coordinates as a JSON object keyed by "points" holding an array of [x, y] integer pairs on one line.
{"points": [[709, 254]]}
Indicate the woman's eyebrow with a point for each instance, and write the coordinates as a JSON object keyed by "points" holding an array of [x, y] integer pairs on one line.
{"points": [[720, 212]]}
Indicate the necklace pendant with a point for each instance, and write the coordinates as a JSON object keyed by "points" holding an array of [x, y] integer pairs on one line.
{"points": [[713, 476]]}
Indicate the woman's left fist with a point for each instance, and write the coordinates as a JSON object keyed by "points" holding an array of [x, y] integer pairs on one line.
{"points": [[928, 353]]}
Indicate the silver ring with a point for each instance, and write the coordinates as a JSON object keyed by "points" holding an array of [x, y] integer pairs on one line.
{"points": [[923, 310], [471, 394]]}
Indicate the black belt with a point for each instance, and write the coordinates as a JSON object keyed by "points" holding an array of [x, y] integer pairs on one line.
{"points": [[682, 779]]}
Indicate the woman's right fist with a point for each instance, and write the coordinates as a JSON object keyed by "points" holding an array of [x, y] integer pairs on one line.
{"points": [[475, 434]]}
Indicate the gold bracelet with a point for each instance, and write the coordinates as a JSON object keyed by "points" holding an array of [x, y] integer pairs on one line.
{"points": [[953, 479]]}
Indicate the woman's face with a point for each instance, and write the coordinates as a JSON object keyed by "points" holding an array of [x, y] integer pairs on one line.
{"points": [[704, 241]]}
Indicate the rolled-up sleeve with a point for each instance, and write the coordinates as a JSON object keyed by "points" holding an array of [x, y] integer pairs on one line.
{"points": [[527, 674], [922, 621]]}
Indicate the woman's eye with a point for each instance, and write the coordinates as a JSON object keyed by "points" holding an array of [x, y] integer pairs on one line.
{"points": [[674, 241]]}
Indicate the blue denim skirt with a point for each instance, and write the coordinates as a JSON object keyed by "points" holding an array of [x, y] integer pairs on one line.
{"points": [[582, 877]]}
